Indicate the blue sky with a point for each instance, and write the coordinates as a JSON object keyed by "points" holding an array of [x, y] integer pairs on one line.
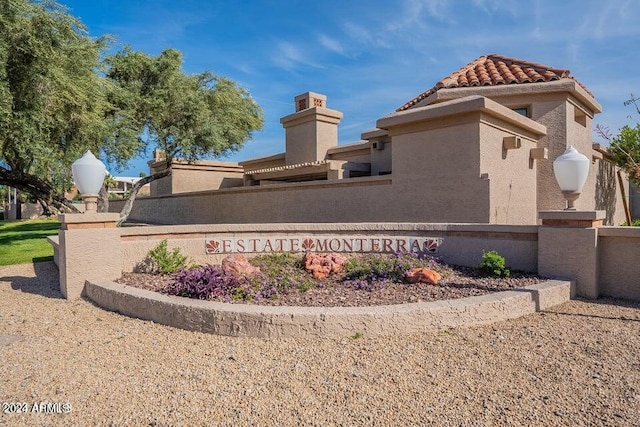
{"points": [[369, 57]]}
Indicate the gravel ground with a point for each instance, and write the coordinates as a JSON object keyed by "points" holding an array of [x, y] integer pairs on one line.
{"points": [[575, 365]]}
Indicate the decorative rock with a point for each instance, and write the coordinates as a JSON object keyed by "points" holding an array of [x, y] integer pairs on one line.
{"points": [[322, 265], [238, 265], [423, 275]]}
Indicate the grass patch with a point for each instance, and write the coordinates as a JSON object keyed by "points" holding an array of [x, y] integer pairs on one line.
{"points": [[23, 242]]}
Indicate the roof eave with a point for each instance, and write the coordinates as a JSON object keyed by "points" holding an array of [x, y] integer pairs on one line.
{"points": [[562, 85], [279, 156], [460, 106]]}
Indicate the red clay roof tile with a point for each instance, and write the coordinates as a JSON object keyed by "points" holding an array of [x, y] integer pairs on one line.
{"points": [[492, 70]]}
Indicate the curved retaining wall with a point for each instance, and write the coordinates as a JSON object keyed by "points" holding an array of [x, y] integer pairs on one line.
{"points": [[272, 322]]}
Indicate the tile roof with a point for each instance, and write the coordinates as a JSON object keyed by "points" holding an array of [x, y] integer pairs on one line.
{"points": [[492, 70]]}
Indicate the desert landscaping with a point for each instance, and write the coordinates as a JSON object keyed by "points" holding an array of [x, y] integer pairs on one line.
{"points": [[573, 365], [297, 214]]}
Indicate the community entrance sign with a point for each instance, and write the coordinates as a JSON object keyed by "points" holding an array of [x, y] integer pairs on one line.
{"points": [[386, 244]]}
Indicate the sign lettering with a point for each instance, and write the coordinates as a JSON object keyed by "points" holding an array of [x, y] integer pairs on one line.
{"points": [[386, 244]]}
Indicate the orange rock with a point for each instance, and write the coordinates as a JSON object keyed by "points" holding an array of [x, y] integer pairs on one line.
{"points": [[322, 265], [238, 265], [423, 275]]}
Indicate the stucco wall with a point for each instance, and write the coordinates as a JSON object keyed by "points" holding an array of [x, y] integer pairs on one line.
{"points": [[437, 174], [619, 269], [549, 110], [461, 244], [273, 161], [354, 200], [309, 134], [382, 159], [602, 261], [28, 211], [357, 152], [603, 191], [513, 195], [566, 111], [437, 177], [579, 135], [185, 179], [634, 201], [196, 176]]}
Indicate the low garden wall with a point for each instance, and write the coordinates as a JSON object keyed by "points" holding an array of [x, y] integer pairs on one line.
{"points": [[278, 322], [460, 244], [28, 211], [91, 253], [619, 266]]}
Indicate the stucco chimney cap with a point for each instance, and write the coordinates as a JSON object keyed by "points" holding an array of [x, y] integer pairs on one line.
{"points": [[309, 100]]}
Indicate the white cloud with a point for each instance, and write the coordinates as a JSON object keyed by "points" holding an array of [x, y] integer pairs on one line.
{"points": [[287, 55], [438, 9], [491, 7], [610, 19], [364, 36], [292, 57], [331, 44]]}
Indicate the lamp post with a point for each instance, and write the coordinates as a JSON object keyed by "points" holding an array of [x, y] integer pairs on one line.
{"points": [[571, 170], [88, 174]]}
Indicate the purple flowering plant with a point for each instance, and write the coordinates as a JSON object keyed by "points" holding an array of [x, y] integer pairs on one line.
{"points": [[211, 282], [283, 272]]}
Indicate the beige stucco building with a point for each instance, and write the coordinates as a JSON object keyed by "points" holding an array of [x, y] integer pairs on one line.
{"points": [[477, 147]]}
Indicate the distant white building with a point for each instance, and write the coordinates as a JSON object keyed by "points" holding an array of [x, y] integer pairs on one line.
{"points": [[124, 185]]}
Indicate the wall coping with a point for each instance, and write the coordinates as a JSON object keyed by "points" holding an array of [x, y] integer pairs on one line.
{"points": [[374, 133], [345, 148], [54, 241], [460, 106], [572, 215], [279, 156], [328, 228], [279, 322], [313, 114], [213, 165], [88, 217], [347, 182], [619, 231], [88, 220]]}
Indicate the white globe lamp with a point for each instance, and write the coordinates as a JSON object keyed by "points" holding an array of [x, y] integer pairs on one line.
{"points": [[88, 175], [571, 170]]}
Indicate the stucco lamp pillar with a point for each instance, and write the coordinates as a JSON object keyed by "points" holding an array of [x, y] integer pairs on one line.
{"points": [[568, 239], [88, 174], [571, 170], [88, 246]]}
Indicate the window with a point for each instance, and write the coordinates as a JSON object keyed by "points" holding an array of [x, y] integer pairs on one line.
{"points": [[522, 110], [580, 116]]}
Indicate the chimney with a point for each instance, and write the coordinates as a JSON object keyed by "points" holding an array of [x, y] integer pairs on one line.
{"points": [[311, 130]]}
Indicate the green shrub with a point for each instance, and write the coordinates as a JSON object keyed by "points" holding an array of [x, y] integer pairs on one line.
{"points": [[494, 264], [167, 262], [634, 223], [374, 267], [285, 271]]}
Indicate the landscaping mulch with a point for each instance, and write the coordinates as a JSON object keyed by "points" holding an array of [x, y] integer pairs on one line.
{"points": [[459, 283]]}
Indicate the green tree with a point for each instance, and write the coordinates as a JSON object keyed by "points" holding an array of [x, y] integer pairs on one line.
{"points": [[625, 147], [51, 98], [186, 116], [59, 99]]}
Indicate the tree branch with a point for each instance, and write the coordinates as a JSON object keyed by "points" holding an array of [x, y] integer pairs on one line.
{"points": [[126, 209]]}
